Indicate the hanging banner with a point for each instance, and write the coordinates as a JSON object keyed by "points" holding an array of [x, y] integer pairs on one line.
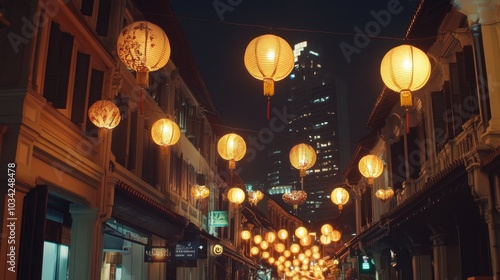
{"points": [[218, 219]]}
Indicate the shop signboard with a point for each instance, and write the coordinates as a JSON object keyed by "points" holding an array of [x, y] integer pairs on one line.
{"points": [[218, 219], [156, 254], [186, 250]]}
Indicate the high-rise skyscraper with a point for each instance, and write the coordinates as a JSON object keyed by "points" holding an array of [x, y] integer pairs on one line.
{"points": [[317, 101]]}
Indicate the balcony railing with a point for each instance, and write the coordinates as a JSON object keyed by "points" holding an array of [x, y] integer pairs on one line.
{"points": [[457, 149]]}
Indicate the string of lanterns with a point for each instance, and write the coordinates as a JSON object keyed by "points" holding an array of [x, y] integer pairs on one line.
{"points": [[144, 47], [299, 258], [302, 157]]}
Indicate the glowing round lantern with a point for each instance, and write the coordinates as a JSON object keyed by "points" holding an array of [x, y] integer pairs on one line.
{"points": [[200, 192], [384, 195], [282, 234], [287, 253], [236, 195], [257, 239], [294, 248], [254, 197], [316, 255], [340, 196], [165, 132], [279, 247], [269, 58], [294, 198], [271, 260], [308, 252], [232, 147], [326, 229], [288, 263], [270, 237], [246, 235], [325, 239], [296, 262], [104, 114], [335, 235], [315, 249], [302, 157], [264, 245], [265, 255], [281, 259], [371, 166], [301, 232], [405, 69], [143, 47], [301, 257], [254, 251], [306, 240]]}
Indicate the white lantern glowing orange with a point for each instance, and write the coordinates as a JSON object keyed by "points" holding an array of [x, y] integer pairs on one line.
{"points": [[326, 229], [254, 250], [306, 240], [405, 69], [325, 239], [165, 132], [143, 47], [302, 157], [282, 234], [279, 247], [269, 58], [236, 196], [265, 255], [246, 235], [340, 196], [257, 239], [335, 235], [371, 167], [287, 253], [231, 147], [264, 245], [301, 232], [295, 248], [104, 114], [270, 237]]}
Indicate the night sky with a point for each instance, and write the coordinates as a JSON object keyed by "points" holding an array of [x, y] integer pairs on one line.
{"points": [[218, 32]]}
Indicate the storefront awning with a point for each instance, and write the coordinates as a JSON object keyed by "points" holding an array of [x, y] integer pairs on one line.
{"points": [[135, 208]]}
